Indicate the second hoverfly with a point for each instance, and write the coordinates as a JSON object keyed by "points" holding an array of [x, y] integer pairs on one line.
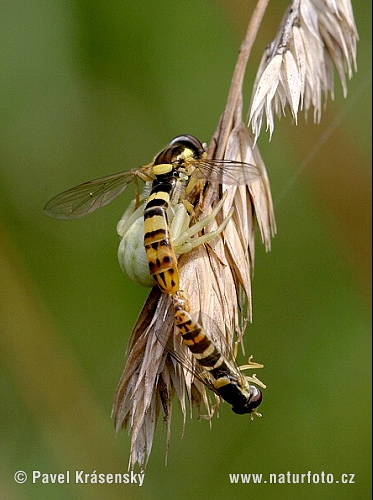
{"points": [[213, 368], [171, 174]]}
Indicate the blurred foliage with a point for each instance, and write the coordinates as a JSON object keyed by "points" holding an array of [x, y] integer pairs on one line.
{"points": [[89, 89]]}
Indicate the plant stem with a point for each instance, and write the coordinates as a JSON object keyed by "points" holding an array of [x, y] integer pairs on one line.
{"points": [[220, 137]]}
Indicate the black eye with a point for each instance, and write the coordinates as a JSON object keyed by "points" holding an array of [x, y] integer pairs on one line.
{"points": [[252, 402], [255, 399], [190, 142]]}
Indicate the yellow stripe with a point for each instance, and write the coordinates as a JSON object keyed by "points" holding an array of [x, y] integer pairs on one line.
{"points": [[188, 342], [219, 362], [154, 223], [162, 168], [221, 382], [200, 337], [182, 317], [160, 195], [205, 353]]}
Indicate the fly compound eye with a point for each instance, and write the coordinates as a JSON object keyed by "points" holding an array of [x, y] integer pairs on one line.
{"points": [[255, 398], [190, 142], [252, 402]]}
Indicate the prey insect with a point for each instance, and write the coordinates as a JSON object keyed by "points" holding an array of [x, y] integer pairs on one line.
{"points": [[132, 256], [218, 373], [172, 174]]}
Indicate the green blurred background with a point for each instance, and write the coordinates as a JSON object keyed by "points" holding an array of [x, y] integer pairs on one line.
{"points": [[91, 88]]}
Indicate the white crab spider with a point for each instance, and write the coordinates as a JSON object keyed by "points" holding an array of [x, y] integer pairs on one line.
{"points": [[131, 252]]}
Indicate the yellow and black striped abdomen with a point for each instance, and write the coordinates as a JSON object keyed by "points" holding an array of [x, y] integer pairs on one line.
{"points": [[227, 380], [157, 239], [199, 344]]}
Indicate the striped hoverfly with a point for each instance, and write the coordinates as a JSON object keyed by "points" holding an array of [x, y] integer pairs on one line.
{"points": [[215, 370], [172, 173]]}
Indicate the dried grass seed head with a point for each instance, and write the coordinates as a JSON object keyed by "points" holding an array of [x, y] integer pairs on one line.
{"points": [[216, 278], [296, 70]]}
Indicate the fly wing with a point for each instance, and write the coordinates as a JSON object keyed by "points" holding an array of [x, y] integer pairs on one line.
{"points": [[229, 353], [178, 351], [89, 196], [226, 171]]}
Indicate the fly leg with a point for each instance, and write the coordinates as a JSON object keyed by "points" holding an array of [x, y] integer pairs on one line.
{"points": [[251, 365]]}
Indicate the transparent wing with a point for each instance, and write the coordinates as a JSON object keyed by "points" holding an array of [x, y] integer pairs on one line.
{"points": [[228, 171], [175, 346], [220, 341], [87, 197]]}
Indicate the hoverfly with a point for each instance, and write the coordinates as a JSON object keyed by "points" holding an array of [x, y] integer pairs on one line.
{"points": [[214, 369], [172, 172], [185, 236]]}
